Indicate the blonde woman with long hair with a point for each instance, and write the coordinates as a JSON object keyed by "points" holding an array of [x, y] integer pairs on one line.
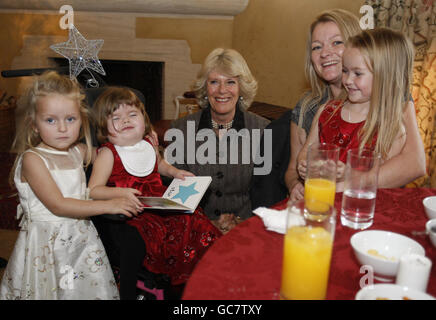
{"points": [[377, 72], [326, 44]]}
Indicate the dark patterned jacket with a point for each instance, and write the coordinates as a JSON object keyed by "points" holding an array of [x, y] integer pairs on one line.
{"points": [[229, 190], [267, 190]]}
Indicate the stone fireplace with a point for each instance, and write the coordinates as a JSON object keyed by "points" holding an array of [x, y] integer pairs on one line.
{"points": [[177, 75], [145, 76], [116, 23]]}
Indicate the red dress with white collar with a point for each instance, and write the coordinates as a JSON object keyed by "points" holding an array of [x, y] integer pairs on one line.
{"points": [[174, 242]]}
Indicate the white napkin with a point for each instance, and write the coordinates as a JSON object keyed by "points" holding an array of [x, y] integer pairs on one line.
{"points": [[275, 220]]}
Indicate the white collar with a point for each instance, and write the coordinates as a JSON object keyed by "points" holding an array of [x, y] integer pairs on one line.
{"points": [[138, 160]]}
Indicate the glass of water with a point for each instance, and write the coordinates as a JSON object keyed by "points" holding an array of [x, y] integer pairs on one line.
{"points": [[360, 188]]}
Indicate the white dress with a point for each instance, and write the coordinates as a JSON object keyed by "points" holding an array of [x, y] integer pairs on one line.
{"points": [[57, 257]]}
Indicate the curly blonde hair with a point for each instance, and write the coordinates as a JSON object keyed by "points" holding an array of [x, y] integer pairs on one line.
{"points": [[231, 63], [48, 83]]}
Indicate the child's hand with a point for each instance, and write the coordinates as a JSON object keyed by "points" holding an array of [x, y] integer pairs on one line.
{"points": [[181, 174], [340, 171], [123, 206], [302, 169], [132, 194], [297, 192]]}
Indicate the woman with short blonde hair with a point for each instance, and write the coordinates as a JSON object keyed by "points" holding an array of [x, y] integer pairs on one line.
{"points": [[230, 62], [225, 88]]}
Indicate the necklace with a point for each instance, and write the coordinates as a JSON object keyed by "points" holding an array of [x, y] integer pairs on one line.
{"points": [[359, 114], [345, 107], [226, 126]]}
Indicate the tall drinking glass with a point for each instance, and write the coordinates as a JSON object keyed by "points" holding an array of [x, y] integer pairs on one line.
{"points": [[307, 250], [320, 182], [360, 188]]}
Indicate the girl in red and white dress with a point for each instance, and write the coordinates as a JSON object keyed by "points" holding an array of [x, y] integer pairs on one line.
{"points": [[129, 165]]}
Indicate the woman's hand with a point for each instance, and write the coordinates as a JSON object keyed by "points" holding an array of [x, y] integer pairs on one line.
{"points": [[153, 137], [297, 192], [302, 168], [226, 222]]}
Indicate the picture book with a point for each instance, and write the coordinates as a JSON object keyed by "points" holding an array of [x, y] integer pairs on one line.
{"points": [[181, 195]]}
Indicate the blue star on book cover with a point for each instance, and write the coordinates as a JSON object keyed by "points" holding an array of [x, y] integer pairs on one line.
{"points": [[185, 192]]}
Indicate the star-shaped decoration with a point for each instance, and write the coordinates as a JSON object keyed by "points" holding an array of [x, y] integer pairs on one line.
{"points": [[81, 53], [185, 192]]}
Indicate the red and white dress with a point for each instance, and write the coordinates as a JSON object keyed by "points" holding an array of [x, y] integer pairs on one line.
{"points": [[174, 242]]}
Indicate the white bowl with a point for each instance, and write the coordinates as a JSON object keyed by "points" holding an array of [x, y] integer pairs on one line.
{"points": [[382, 250], [430, 207], [391, 292], [429, 226]]}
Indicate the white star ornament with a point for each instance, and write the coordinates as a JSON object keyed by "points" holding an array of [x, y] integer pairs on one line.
{"points": [[81, 53]]}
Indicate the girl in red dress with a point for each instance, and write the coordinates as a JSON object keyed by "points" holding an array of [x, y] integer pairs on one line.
{"points": [[128, 165], [377, 73]]}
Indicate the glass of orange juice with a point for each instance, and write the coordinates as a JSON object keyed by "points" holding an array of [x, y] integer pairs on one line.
{"points": [[307, 250], [320, 182]]}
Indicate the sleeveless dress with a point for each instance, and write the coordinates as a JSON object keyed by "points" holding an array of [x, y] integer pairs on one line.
{"points": [[56, 257], [174, 242], [335, 130]]}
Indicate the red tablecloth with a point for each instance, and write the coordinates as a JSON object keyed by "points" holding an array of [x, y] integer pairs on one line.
{"points": [[246, 263]]}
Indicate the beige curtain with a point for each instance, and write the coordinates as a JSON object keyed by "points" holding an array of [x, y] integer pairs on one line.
{"points": [[417, 19]]}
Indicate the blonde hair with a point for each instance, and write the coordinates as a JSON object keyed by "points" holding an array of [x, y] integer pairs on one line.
{"points": [[389, 55], [348, 25], [48, 83], [109, 101], [232, 64]]}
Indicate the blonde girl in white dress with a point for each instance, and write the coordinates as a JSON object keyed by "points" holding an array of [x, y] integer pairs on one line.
{"points": [[58, 253]]}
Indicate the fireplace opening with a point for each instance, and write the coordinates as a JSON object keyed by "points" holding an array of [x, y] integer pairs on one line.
{"points": [[145, 76]]}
